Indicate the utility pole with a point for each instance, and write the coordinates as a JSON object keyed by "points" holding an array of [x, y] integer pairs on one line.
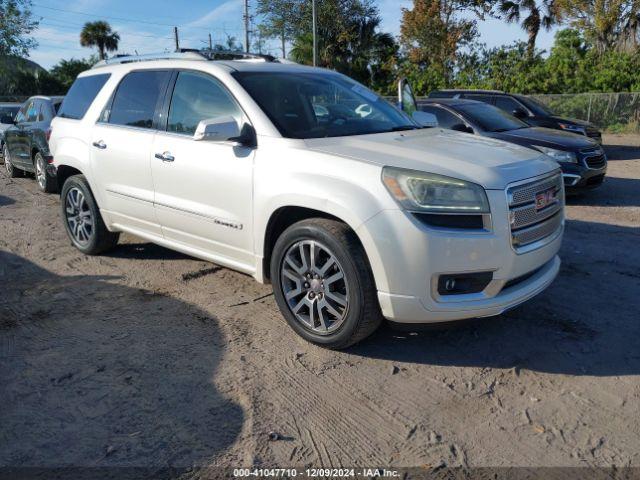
{"points": [[246, 26], [315, 40], [175, 35], [210, 43]]}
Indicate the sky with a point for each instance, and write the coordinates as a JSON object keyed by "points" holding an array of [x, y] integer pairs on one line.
{"points": [[146, 26]]}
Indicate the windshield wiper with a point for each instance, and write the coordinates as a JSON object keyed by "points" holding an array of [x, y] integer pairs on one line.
{"points": [[403, 128]]}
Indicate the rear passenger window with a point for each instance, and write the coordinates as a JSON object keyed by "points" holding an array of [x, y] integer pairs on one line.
{"points": [[81, 95], [198, 97], [508, 104], [136, 99]]}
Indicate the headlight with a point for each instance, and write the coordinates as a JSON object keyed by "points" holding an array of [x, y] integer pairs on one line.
{"points": [[428, 192], [558, 155], [569, 127]]}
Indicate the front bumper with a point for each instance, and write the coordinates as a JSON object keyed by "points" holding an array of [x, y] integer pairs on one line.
{"points": [[408, 257], [580, 176]]}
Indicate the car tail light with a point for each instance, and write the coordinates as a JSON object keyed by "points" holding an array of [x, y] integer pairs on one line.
{"points": [[47, 134]]}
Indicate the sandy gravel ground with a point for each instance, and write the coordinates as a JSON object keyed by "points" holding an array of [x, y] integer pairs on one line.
{"points": [[147, 357]]}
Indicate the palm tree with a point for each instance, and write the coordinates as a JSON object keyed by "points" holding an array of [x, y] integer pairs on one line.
{"points": [[540, 15], [99, 34]]}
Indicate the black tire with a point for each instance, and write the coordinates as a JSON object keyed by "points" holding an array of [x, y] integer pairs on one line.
{"points": [[46, 183], [98, 239], [12, 171], [363, 315]]}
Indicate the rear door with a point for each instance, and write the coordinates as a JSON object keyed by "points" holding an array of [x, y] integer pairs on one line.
{"points": [[203, 189], [19, 140], [121, 147]]}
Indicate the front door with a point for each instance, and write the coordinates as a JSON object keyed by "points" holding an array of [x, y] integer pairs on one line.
{"points": [[19, 139], [121, 147], [203, 189]]}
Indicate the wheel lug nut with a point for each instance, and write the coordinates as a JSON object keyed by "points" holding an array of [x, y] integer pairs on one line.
{"points": [[306, 285], [311, 295]]}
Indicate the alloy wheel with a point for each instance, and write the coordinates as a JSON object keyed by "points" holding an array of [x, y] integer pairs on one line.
{"points": [[7, 161], [41, 172], [79, 218], [314, 286]]}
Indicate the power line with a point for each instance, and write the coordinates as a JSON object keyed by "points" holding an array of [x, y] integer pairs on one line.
{"points": [[75, 29], [122, 19]]}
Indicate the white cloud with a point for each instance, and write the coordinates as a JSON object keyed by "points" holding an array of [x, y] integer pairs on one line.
{"points": [[230, 10]]}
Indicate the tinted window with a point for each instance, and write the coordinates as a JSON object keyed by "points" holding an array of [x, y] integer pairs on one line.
{"points": [[490, 118], [536, 107], [80, 96], [313, 105], [8, 113], [134, 103], [199, 97], [32, 111], [508, 104], [445, 118]]}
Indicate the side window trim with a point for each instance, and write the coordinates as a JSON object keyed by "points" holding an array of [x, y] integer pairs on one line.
{"points": [[109, 105]]}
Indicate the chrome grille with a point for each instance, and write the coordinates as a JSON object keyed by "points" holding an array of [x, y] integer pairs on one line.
{"points": [[528, 223]]}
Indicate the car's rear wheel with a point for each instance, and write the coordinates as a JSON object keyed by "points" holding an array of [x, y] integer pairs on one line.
{"points": [[323, 284], [45, 181], [12, 171], [82, 219]]}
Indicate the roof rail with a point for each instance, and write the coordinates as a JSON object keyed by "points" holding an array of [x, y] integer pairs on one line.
{"points": [[181, 55], [191, 54]]}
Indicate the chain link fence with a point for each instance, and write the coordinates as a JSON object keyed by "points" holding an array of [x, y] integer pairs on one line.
{"points": [[613, 112]]}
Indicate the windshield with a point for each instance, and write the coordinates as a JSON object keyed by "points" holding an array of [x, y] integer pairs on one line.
{"points": [[490, 118], [535, 106], [8, 113], [312, 105]]}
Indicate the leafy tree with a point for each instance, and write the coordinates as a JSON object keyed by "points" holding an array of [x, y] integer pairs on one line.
{"points": [[230, 45], [533, 14], [99, 34], [432, 34], [66, 71], [16, 24], [606, 24], [279, 20]]}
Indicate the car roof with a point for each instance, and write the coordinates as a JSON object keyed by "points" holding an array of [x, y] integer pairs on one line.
{"points": [[466, 90], [10, 104], [452, 102], [54, 98]]}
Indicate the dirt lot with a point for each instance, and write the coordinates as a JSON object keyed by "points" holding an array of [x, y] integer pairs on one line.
{"points": [[147, 357]]}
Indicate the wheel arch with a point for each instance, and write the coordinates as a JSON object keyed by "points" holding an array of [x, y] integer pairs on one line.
{"points": [[63, 172]]}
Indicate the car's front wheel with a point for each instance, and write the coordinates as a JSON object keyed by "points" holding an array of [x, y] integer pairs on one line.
{"points": [[323, 284], [45, 181], [12, 171], [82, 219]]}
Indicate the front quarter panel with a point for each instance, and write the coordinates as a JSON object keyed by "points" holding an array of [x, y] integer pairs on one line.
{"points": [[286, 174]]}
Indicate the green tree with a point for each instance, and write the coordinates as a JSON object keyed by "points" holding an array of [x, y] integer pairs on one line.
{"points": [[16, 25], [533, 15], [66, 71], [279, 20], [432, 35], [99, 34], [606, 24]]}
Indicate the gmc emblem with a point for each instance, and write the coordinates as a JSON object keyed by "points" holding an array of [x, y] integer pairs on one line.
{"points": [[545, 198]]}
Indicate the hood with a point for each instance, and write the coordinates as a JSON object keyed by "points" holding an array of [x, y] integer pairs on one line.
{"points": [[486, 161], [549, 137]]}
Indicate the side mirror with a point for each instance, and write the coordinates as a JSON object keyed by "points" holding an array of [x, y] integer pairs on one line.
{"points": [[461, 127], [406, 98], [519, 113], [219, 129], [425, 119]]}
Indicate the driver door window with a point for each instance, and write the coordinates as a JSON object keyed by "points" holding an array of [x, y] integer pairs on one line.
{"points": [[198, 97]]}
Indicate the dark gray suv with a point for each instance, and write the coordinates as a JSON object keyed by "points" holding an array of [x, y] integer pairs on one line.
{"points": [[26, 147]]}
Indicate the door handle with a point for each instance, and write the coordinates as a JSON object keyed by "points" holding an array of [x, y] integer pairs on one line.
{"points": [[165, 157], [100, 144]]}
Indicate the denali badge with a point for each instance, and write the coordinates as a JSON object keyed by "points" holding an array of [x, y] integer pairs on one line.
{"points": [[545, 198]]}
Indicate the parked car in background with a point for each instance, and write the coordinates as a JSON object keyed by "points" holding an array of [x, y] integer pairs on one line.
{"points": [[526, 109], [8, 113], [583, 161], [26, 147]]}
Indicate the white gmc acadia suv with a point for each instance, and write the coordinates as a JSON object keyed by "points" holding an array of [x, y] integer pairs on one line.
{"points": [[304, 178]]}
